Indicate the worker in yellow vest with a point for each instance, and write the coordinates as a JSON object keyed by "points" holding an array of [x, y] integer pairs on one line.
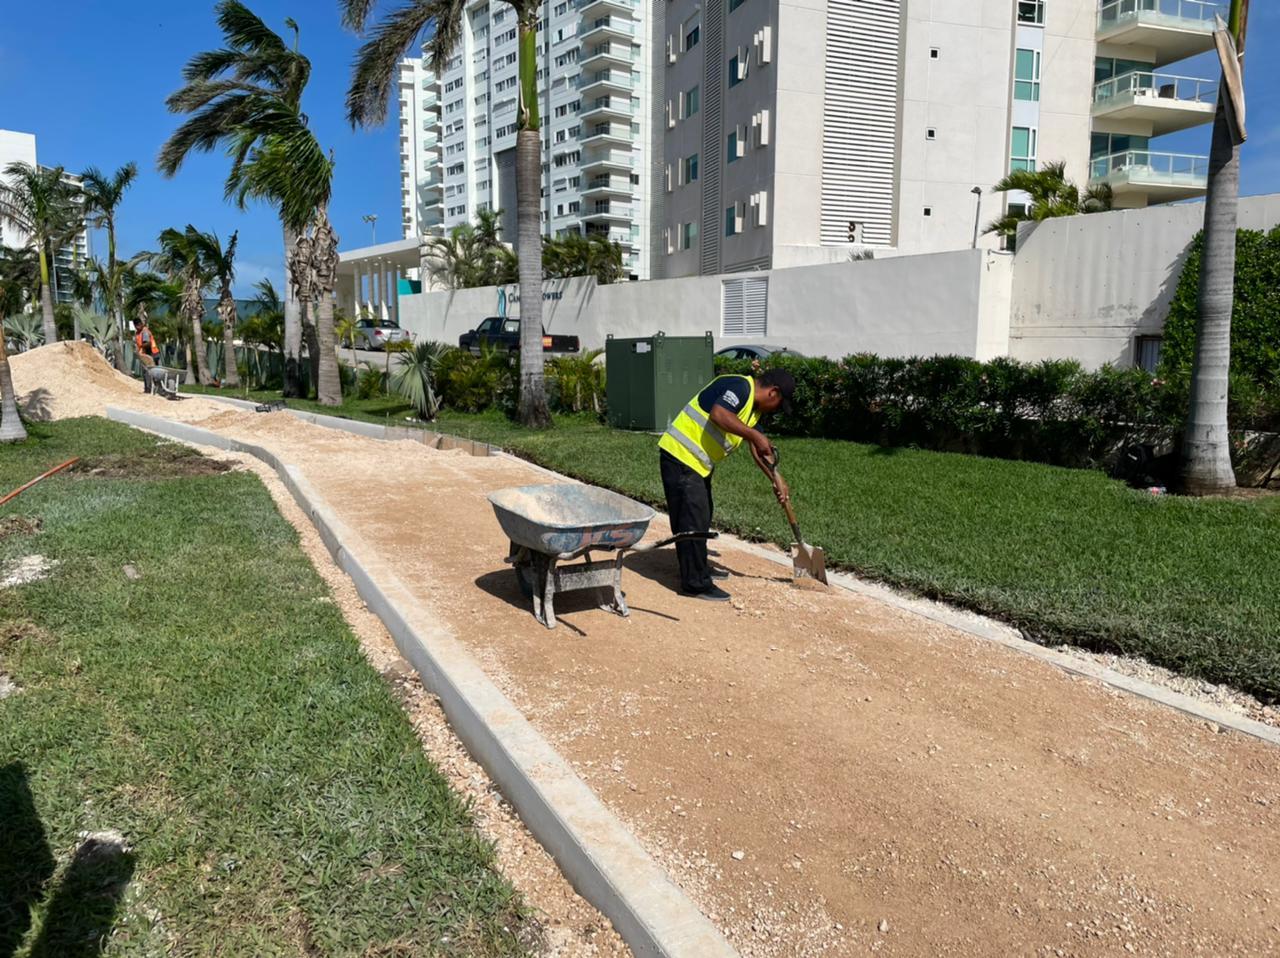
{"points": [[713, 424]]}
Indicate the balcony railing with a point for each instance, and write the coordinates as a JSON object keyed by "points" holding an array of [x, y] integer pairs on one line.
{"points": [[1163, 86], [1198, 11], [1173, 167]]}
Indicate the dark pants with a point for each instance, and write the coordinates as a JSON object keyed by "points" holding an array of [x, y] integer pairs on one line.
{"points": [[147, 363], [689, 506]]}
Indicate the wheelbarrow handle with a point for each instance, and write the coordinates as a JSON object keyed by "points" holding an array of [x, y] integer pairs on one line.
{"points": [[678, 537]]}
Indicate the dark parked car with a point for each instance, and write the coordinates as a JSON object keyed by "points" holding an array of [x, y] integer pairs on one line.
{"points": [[376, 333], [756, 352], [503, 333]]}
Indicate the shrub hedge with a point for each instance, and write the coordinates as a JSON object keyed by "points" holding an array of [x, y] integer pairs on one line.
{"points": [[1054, 411]]}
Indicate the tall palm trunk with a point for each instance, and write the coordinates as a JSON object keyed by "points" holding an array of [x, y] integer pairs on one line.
{"points": [[227, 307], [533, 397], [46, 299], [117, 298], [292, 323], [312, 339], [1206, 443], [325, 264], [194, 309], [11, 428]]}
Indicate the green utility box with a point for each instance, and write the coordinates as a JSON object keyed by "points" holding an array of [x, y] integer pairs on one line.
{"points": [[649, 380]]}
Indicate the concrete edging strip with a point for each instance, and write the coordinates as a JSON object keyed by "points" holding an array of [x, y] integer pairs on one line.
{"points": [[972, 623], [598, 854]]}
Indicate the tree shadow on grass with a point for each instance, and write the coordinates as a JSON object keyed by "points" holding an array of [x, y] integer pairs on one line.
{"points": [[26, 863], [84, 905]]}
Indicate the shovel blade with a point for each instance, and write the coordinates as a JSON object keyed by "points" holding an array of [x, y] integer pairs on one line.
{"points": [[809, 562]]}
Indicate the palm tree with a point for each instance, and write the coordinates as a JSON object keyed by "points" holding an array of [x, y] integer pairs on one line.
{"points": [[102, 197], [235, 97], [345, 330], [39, 203], [219, 265], [372, 82], [576, 255], [11, 428], [19, 277], [180, 258], [1052, 194], [471, 255], [414, 378], [1206, 448], [25, 329]]}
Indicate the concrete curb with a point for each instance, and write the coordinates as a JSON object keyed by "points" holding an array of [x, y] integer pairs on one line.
{"points": [[598, 854], [972, 623]]}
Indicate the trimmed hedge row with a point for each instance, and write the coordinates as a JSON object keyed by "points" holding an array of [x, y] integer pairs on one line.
{"points": [[1053, 412]]}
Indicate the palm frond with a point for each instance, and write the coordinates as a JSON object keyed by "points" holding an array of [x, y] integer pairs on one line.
{"points": [[355, 13], [377, 63]]}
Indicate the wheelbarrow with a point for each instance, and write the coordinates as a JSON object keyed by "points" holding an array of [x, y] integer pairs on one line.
{"points": [[553, 524]]}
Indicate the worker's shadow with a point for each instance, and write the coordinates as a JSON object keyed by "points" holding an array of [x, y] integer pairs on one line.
{"points": [[83, 906]]}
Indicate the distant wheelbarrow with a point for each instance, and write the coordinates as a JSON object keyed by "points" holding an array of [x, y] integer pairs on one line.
{"points": [[551, 524]]}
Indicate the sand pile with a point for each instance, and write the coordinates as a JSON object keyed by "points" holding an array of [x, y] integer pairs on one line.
{"points": [[68, 379]]}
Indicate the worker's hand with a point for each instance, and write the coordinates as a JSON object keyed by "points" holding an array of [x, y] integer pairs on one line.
{"points": [[781, 490], [763, 447]]}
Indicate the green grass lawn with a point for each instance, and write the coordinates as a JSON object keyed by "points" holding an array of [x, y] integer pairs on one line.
{"points": [[216, 711], [1066, 555]]}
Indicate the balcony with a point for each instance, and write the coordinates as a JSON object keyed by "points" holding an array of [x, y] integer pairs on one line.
{"points": [[608, 211], [621, 237], [1159, 103], [1169, 30], [1140, 177], [608, 8], [607, 162], [608, 135], [608, 108], [604, 187], [607, 55], [607, 28], [607, 83]]}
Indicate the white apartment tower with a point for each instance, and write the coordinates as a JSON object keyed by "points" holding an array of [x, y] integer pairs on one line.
{"points": [[74, 253], [600, 148], [799, 130]]}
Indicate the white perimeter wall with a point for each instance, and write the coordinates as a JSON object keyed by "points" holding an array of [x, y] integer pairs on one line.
{"points": [[953, 302], [1084, 287]]}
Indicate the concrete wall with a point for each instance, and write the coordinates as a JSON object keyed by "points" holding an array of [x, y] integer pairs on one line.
{"points": [[1084, 287], [909, 305]]}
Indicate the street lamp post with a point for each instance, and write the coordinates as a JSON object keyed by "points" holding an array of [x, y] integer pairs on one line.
{"points": [[372, 220], [977, 213]]}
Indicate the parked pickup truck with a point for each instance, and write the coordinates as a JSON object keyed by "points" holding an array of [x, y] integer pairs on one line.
{"points": [[503, 333]]}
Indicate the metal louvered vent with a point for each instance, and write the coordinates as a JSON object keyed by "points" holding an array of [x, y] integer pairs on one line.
{"points": [[860, 126], [744, 307]]}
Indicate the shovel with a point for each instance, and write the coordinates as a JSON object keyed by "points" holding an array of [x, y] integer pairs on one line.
{"points": [[807, 562]]}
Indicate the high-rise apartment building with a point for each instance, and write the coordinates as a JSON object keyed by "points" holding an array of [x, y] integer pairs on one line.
{"points": [[599, 149], [74, 254], [798, 130]]}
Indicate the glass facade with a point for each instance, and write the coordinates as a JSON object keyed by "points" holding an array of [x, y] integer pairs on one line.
{"points": [[1023, 153]]}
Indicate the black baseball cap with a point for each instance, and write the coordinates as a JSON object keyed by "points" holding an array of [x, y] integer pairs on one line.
{"points": [[785, 382]]}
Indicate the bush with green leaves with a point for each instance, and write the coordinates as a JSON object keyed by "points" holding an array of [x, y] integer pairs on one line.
{"points": [[1255, 323], [371, 382], [414, 378], [1053, 411], [471, 383], [577, 383]]}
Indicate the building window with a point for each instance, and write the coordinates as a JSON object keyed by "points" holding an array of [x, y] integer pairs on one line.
{"points": [[1031, 11], [735, 75], [1026, 75], [744, 307], [692, 100], [730, 221], [934, 53], [928, 211], [559, 209], [931, 133], [575, 206], [1146, 353], [688, 235], [692, 34], [691, 168], [731, 153], [1023, 154], [735, 4]]}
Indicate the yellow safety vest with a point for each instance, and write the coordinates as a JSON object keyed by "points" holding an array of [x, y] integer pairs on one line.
{"points": [[696, 441]]}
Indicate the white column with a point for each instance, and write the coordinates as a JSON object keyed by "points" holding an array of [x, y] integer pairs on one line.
{"points": [[395, 294]]}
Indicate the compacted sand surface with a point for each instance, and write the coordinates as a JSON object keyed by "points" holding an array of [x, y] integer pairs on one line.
{"points": [[824, 774]]}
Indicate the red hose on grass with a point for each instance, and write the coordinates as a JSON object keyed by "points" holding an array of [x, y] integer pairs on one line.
{"points": [[26, 486]]}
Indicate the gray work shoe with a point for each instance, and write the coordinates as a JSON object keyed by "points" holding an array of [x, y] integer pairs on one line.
{"points": [[713, 594]]}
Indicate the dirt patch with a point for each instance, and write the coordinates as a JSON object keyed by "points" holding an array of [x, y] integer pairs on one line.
{"points": [[19, 526], [169, 461]]}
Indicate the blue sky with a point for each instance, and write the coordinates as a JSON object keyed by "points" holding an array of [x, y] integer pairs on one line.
{"points": [[89, 78]]}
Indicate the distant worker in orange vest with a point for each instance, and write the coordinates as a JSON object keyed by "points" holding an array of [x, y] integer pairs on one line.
{"points": [[145, 343]]}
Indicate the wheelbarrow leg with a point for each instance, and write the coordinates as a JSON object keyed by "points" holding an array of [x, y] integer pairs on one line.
{"points": [[619, 603], [549, 593]]}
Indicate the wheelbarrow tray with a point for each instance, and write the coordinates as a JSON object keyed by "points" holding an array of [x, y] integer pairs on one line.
{"points": [[566, 520]]}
